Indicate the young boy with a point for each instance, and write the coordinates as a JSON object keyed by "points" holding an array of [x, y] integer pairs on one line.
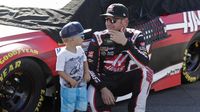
{"points": [[72, 68]]}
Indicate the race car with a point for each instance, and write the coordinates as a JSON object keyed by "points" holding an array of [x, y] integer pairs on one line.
{"points": [[29, 41]]}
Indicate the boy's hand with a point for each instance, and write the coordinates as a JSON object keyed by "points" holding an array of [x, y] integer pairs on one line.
{"points": [[73, 83], [87, 77]]}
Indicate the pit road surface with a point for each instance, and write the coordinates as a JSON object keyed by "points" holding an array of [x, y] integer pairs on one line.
{"points": [[184, 98]]}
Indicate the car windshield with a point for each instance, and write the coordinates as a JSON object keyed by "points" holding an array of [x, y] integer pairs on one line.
{"points": [[45, 15], [53, 4]]}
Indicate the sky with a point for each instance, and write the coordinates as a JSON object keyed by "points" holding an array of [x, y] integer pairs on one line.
{"points": [[54, 4]]}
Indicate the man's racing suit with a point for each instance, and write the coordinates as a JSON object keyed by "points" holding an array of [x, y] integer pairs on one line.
{"points": [[122, 69]]}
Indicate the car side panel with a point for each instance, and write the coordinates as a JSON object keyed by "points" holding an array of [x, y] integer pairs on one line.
{"points": [[33, 45], [167, 53]]}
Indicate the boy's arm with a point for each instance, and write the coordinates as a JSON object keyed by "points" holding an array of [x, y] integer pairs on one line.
{"points": [[86, 72], [60, 64], [67, 78]]}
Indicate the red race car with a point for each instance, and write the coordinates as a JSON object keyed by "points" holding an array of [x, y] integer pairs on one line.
{"points": [[29, 41]]}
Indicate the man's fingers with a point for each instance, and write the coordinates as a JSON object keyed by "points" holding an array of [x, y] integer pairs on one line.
{"points": [[107, 96], [111, 38], [113, 100], [122, 29], [112, 32], [109, 101], [106, 101]]}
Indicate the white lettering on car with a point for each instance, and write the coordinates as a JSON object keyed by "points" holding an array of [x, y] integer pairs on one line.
{"points": [[191, 22]]}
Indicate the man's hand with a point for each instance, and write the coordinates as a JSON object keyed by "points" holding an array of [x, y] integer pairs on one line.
{"points": [[118, 37], [107, 96]]}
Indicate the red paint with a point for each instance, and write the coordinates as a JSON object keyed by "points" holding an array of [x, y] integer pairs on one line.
{"points": [[167, 82], [46, 46], [35, 40]]}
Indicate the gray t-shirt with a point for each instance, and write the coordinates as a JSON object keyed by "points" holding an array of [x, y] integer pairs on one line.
{"points": [[72, 64]]}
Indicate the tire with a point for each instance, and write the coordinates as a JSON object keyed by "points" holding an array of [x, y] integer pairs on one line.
{"points": [[191, 61], [22, 86]]}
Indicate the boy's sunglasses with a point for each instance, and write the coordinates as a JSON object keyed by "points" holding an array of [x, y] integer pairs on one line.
{"points": [[112, 20], [82, 36]]}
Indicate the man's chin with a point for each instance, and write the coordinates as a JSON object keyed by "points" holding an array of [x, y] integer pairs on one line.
{"points": [[109, 27], [112, 29]]}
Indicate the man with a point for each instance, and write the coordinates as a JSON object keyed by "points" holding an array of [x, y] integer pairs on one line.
{"points": [[109, 56]]}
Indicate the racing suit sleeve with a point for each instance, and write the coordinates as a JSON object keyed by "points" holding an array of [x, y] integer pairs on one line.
{"points": [[93, 62], [137, 51]]}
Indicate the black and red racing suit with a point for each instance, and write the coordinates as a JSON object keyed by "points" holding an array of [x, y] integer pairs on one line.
{"points": [[122, 69]]}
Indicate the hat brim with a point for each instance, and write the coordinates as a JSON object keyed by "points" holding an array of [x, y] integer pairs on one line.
{"points": [[84, 32], [107, 14], [87, 30]]}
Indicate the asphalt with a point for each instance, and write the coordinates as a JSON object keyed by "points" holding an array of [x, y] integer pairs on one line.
{"points": [[184, 98]]}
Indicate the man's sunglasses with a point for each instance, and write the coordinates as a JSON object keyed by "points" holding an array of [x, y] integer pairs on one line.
{"points": [[112, 20]]}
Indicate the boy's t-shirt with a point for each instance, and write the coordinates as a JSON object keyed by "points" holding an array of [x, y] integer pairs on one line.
{"points": [[72, 64]]}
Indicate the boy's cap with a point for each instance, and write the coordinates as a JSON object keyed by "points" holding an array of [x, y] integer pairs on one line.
{"points": [[116, 10], [72, 29]]}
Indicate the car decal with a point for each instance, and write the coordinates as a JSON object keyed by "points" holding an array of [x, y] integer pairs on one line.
{"points": [[190, 23], [39, 104], [171, 70], [17, 52], [9, 69]]}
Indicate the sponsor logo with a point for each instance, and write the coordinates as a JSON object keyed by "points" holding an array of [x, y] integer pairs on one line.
{"points": [[42, 93], [191, 22], [186, 74], [94, 77], [9, 69], [115, 69], [91, 54], [110, 53], [116, 64], [17, 52], [90, 61]]}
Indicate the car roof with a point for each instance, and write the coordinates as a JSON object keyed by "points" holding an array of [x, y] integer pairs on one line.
{"points": [[53, 4]]}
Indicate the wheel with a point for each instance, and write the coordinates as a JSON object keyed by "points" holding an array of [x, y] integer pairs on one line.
{"points": [[22, 87], [191, 61]]}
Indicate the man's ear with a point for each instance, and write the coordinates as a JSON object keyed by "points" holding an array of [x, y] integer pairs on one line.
{"points": [[125, 22]]}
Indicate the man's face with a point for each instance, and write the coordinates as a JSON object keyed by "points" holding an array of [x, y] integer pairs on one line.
{"points": [[115, 23]]}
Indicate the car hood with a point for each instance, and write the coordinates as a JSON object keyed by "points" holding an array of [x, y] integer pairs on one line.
{"points": [[53, 4], [10, 35], [6, 31]]}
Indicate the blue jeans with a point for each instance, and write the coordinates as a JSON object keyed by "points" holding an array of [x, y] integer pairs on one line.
{"points": [[73, 99]]}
